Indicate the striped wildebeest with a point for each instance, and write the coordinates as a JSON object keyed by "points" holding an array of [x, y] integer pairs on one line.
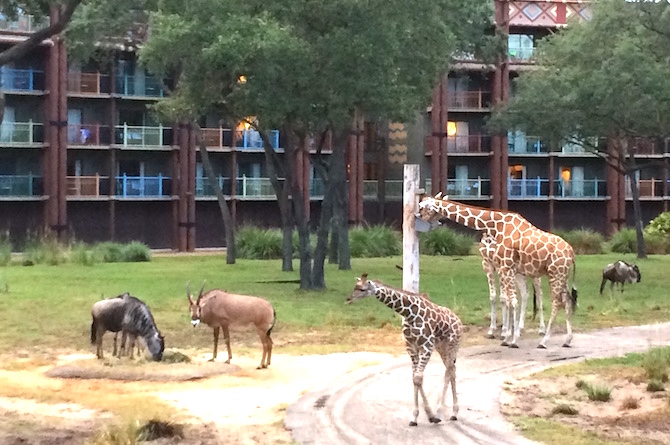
{"points": [[129, 315], [620, 272]]}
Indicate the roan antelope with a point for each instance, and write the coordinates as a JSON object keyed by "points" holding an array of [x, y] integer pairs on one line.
{"points": [[219, 309]]}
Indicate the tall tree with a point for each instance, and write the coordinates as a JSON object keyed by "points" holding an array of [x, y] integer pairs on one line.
{"points": [[605, 78], [309, 67]]}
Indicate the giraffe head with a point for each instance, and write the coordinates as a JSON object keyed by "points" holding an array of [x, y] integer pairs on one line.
{"points": [[428, 207], [364, 288]]}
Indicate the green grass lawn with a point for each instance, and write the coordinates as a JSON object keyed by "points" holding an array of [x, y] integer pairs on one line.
{"points": [[49, 306]]}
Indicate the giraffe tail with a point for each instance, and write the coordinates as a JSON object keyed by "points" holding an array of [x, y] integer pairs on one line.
{"points": [[534, 303], [573, 291]]}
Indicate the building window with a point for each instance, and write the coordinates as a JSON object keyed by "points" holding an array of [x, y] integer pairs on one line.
{"points": [[520, 46]]}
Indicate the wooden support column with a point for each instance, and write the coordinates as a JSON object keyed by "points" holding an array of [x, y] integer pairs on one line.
{"points": [[444, 109], [190, 236], [62, 139], [496, 148], [616, 206], [551, 193], [433, 142], [182, 188], [111, 172], [51, 136], [500, 94], [233, 180], [352, 164], [665, 185], [360, 179]]}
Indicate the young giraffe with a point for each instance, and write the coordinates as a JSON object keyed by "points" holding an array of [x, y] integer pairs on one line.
{"points": [[426, 326], [521, 248], [487, 247]]}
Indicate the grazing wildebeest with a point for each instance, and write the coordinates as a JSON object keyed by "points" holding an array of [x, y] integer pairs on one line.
{"points": [[620, 272], [130, 316], [219, 309]]}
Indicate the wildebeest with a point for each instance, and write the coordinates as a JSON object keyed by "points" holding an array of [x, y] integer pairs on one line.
{"points": [[620, 272], [132, 317], [219, 309]]}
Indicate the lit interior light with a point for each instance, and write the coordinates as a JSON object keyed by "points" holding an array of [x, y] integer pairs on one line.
{"points": [[565, 174], [451, 128]]}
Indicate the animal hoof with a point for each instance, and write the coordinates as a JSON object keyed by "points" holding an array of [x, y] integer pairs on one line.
{"points": [[226, 362], [565, 345], [453, 418], [435, 420], [211, 359], [490, 336], [412, 423], [541, 346], [514, 346], [504, 344]]}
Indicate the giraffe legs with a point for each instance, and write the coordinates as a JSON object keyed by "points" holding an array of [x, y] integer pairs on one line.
{"points": [[448, 353], [507, 278], [523, 289], [491, 278], [420, 358], [559, 297], [537, 288]]}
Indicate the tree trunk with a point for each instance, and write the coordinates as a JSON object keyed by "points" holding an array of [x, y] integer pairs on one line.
{"points": [[321, 249], [637, 215], [333, 248], [223, 205], [341, 203]]}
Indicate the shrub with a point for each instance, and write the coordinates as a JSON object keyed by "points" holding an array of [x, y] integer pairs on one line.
{"points": [[629, 402], [655, 364], [659, 225], [624, 241], [584, 241], [255, 243], [656, 243], [84, 254], [654, 385], [597, 393], [136, 252], [565, 409], [44, 249], [445, 241], [110, 252], [5, 249], [374, 242]]}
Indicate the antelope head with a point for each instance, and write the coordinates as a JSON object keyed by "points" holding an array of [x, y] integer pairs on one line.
{"points": [[363, 288], [194, 306]]}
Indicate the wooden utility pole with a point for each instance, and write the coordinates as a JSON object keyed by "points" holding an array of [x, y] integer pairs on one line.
{"points": [[410, 238]]}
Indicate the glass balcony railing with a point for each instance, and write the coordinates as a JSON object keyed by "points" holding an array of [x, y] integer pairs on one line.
{"points": [[21, 133], [21, 79], [251, 188], [88, 134], [144, 86], [88, 83], [88, 186], [21, 185], [527, 188], [468, 188], [580, 188], [132, 136], [519, 143], [143, 186]]}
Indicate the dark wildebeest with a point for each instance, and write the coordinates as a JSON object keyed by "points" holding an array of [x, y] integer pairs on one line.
{"points": [[130, 316], [219, 310], [620, 272]]}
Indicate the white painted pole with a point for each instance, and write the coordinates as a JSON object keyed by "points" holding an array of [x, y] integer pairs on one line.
{"points": [[410, 238]]}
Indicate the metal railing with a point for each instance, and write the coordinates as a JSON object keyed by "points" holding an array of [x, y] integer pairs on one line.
{"points": [[21, 133], [468, 188], [523, 144], [584, 188], [647, 188], [136, 136], [144, 86], [473, 143], [88, 83], [469, 100], [88, 134], [21, 185], [21, 79], [244, 139], [88, 186], [143, 186], [527, 188]]}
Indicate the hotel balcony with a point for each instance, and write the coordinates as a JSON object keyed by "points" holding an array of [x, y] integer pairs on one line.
{"points": [[88, 135], [142, 137], [649, 189], [222, 139], [88, 186], [469, 100], [21, 185], [139, 86], [21, 134], [520, 144], [245, 188], [21, 80], [143, 186], [527, 188], [473, 143], [392, 189], [586, 188], [88, 84]]}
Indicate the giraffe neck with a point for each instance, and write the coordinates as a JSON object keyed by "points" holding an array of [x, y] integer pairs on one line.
{"points": [[474, 217], [401, 302]]}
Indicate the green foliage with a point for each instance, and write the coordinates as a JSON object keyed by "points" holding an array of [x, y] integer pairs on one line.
{"points": [[624, 241], [660, 224], [44, 249], [584, 241], [254, 243], [110, 252], [135, 252], [374, 241], [596, 392], [657, 243], [5, 249], [84, 254], [654, 385], [445, 241], [656, 362]]}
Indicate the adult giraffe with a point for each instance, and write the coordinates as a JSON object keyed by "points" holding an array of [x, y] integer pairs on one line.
{"points": [[521, 248]]}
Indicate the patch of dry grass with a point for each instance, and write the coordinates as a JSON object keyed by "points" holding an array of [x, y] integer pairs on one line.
{"points": [[629, 403]]}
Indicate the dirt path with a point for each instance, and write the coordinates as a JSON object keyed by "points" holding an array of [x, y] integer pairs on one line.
{"points": [[373, 406]]}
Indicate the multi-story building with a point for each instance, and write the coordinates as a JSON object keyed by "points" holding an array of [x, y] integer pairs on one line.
{"points": [[82, 155]]}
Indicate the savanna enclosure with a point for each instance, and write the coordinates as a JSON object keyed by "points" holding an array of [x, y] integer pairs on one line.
{"points": [[45, 311]]}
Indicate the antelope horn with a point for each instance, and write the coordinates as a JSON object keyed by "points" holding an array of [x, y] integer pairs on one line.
{"points": [[364, 277], [188, 291], [201, 289], [439, 195]]}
